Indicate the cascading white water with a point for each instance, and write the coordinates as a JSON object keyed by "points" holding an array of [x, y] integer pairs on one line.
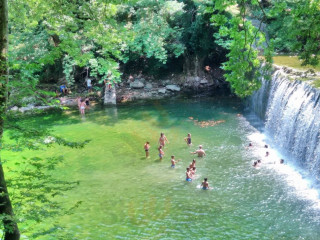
{"points": [[291, 111]]}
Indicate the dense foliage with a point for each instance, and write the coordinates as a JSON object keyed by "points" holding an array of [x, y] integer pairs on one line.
{"points": [[67, 41]]}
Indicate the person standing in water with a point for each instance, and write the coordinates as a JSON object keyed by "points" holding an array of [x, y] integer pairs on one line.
{"points": [[82, 107], [188, 139], [192, 164], [188, 175], [173, 161], [161, 152], [193, 171], [146, 149], [205, 184], [200, 152], [162, 140]]}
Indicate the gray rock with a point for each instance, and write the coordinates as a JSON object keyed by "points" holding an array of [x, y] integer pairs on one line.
{"points": [[162, 90], [137, 84], [43, 107], [204, 81], [142, 80], [28, 100], [173, 88], [148, 86], [165, 82]]}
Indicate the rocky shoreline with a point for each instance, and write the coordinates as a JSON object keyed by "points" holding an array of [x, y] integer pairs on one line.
{"points": [[140, 88], [137, 89]]}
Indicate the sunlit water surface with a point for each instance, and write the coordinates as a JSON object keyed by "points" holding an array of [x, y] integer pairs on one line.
{"points": [[126, 196]]}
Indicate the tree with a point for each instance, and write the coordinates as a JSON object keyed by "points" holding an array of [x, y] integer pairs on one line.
{"points": [[155, 34], [31, 179], [244, 41], [11, 231], [70, 35], [199, 37]]}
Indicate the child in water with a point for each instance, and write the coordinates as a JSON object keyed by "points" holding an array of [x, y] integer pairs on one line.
{"points": [[188, 139], [192, 164], [146, 148], [193, 171], [82, 107], [161, 152], [205, 184], [173, 161]]}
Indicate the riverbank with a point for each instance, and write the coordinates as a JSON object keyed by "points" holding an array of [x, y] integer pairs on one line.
{"points": [[137, 88], [146, 88]]}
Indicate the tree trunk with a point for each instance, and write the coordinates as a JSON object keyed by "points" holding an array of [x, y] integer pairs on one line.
{"points": [[11, 231]]}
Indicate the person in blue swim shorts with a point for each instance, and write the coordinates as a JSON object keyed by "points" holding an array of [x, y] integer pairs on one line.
{"points": [[188, 175], [173, 161]]}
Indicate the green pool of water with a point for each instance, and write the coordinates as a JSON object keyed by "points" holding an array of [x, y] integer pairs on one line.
{"points": [[126, 196]]}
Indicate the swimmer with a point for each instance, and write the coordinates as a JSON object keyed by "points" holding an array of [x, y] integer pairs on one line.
{"points": [[200, 152], [188, 139], [255, 164], [192, 164], [267, 154], [162, 140], [161, 152], [193, 171], [173, 161], [188, 175], [205, 184], [146, 148], [249, 145], [281, 161], [266, 146]]}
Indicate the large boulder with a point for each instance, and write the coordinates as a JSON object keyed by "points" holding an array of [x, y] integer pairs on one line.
{"points": [[137, 84], [173, 88]]}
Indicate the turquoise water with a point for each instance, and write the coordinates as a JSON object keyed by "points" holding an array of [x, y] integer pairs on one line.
{"points": [[126, 196]]}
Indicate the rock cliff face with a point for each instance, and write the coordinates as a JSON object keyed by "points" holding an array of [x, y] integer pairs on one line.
{"points": [[290, 107]]}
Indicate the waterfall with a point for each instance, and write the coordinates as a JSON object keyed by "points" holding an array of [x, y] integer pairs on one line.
{"points": [[291, 112]]}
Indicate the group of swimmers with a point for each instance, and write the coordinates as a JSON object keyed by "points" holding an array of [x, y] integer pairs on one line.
{"points": [[259, 162], [191, 170]]}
